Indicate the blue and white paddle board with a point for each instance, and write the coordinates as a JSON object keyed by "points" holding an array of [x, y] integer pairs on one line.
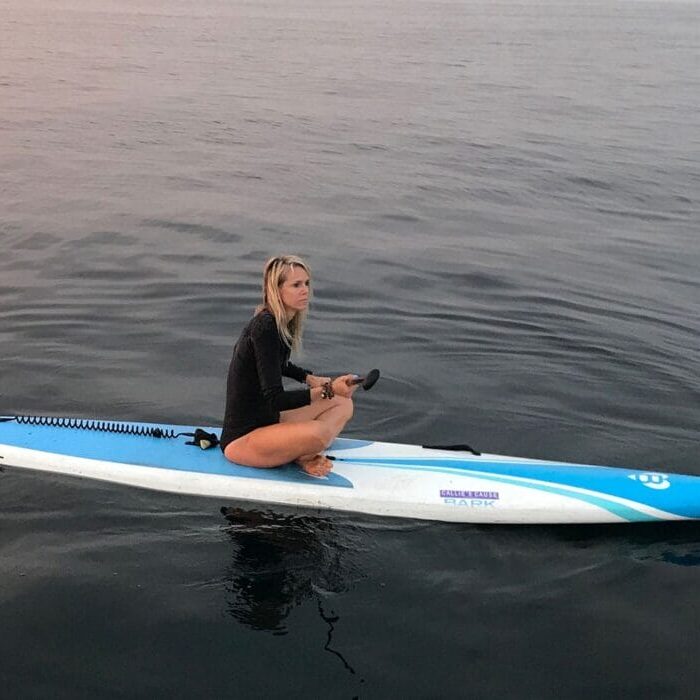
{"points": [[376, 478]]}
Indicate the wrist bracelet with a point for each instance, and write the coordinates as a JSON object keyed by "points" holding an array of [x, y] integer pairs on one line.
{"points": [[327, 391]]}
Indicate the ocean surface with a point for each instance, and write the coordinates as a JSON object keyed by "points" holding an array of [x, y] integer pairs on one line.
{"points": [[500, 203]]}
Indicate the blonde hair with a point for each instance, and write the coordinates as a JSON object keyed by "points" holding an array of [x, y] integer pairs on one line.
{"points": [[275, 274]]}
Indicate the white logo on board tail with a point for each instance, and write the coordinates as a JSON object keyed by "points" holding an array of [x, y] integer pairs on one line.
{"points": [[652, 480]]}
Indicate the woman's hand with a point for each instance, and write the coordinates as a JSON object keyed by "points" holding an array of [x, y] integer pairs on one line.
{"points": [[313, 381], [342, 385]]}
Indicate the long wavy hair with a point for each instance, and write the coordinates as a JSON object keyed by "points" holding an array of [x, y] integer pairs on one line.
{"points": [[275, 274]]}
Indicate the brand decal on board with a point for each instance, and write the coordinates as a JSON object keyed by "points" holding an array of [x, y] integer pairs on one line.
{"points": [[471, 499], [652, 480]]}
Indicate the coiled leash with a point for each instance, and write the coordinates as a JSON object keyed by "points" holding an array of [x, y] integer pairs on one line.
{"points": [[200, 438]]}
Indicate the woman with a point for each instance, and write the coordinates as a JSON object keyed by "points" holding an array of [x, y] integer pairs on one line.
{"points": [[264, 425]]}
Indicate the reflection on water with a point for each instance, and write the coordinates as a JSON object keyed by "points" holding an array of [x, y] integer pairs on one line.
{"points": [[280, 561], [688, 559], [668, 543]]}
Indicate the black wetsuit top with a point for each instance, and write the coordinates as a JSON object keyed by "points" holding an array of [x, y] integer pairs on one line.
{"points": [[254, 392]]}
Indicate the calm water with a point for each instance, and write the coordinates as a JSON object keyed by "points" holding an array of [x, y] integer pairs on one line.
{"points": [[500, 203]]}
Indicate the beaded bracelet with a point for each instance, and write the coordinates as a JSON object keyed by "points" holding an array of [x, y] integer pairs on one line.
{"points": [[327, 391]]}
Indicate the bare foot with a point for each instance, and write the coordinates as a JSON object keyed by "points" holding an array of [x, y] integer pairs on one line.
{"points": [[317, 465]]}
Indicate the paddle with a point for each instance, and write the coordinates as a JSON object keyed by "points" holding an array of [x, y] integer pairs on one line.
{"points": [[368, 381]]}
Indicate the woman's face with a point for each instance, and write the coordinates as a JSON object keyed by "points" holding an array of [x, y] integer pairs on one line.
{"points": [[295, 290]]}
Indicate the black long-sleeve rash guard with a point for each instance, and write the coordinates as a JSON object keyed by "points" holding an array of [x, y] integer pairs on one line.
{"points": [[254, 392]]}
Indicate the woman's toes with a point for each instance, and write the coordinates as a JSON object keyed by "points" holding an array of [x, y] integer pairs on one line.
{"points": [[318, 465]]}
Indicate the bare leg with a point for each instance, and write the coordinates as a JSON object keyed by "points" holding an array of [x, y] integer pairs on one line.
{"points": [[300, 436], [334, 414]]}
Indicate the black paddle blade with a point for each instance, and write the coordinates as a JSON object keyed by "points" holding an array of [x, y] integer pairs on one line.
{"points": [[371, 379]]}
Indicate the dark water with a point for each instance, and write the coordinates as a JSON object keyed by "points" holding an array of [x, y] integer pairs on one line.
{"points": [[500, 205]]}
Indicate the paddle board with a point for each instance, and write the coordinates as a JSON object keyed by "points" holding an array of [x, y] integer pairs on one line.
{"points": [[377, 478]]}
